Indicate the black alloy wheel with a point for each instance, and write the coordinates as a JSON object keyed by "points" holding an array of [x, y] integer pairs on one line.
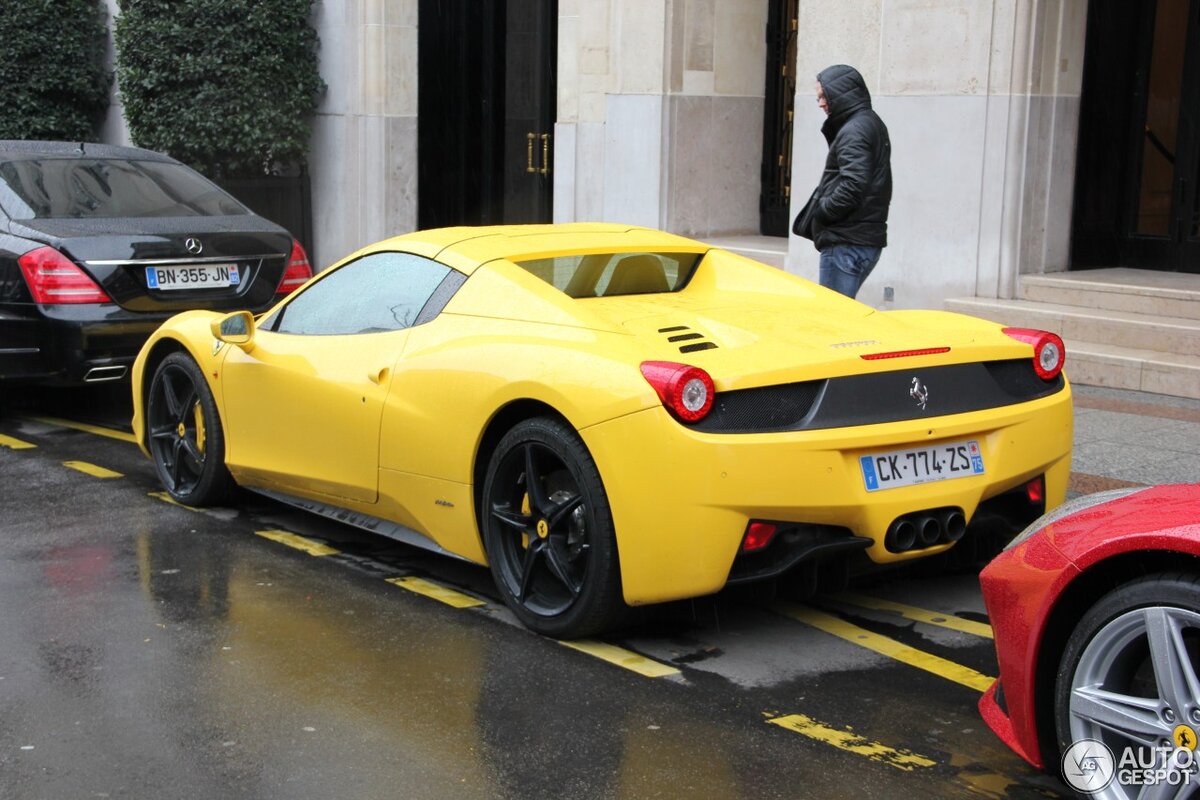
{"points": [[184, 434], [549, 534]]}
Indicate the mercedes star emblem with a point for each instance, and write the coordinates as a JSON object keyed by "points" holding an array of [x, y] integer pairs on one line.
{"points": [[194, 246]]}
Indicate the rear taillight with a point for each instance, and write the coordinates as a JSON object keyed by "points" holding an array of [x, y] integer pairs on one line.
{"points": [[53, 278], [685, 391], [758, 535], [1035, 490], [298, 270], [1049, 353]]}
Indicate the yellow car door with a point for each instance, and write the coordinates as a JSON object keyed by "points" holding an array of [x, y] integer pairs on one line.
{"points": [[304, 399], [303, 411]]}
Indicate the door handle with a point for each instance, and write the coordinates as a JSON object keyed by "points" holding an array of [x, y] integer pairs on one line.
{"points": [[378, 377], [529, 138], [545, 170]]}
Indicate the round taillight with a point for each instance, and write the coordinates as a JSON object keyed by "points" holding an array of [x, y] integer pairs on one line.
{"points": [[1049, 353], [686, 391]]}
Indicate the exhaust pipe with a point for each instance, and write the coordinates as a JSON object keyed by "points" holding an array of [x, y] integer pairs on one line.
{"points": [[101, 374], [953, 523], [901, 535], [928, 529]]}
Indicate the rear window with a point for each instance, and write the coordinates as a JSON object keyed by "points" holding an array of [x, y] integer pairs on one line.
{"points": [[611, 274], [74, 188]]}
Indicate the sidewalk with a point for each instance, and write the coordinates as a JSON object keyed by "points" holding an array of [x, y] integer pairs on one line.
{"points": [[1125, 438]]}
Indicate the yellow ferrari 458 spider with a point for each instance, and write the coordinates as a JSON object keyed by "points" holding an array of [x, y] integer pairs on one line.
{"points": [[610, 416]]}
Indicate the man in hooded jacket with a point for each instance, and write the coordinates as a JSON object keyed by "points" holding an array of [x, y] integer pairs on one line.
{"points": [[846, 217]]}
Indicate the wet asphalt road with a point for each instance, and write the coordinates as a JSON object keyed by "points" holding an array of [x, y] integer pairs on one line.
{"points": [[152, 651]]}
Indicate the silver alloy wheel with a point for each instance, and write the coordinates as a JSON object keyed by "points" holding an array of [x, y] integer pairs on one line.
{"points": [[1136, 689]]}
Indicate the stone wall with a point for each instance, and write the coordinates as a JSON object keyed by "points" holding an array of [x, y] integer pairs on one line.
{"points": [[981, 98], [363, 158], [660, 109]]}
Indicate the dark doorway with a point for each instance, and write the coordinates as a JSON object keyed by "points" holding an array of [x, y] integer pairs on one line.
{"points": [[1137, 184], [486, 95], [774, 204]]}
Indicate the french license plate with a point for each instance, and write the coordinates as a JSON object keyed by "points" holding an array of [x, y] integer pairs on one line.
{"points": [[207, 276], [921, 465]]}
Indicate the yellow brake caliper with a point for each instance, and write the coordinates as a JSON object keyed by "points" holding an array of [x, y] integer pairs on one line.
{"points": [[198, 414], [525, 511]]}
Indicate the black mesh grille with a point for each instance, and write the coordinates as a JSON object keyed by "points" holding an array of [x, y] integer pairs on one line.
{"points": [[877, 397], [770, 408], [1019, 379]]}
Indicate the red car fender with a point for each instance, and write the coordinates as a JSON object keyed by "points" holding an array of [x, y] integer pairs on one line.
{"points": [[1020, 600]]}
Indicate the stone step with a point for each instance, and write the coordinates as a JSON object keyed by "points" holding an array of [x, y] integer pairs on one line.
{"points": [[1161, 334], [1093, 364], [1162, 294]]}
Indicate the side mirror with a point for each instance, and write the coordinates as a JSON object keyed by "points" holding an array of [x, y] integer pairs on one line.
{"points": [[236, 328]]}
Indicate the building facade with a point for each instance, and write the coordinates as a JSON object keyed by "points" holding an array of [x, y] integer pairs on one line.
{"points": [[699, 117]]}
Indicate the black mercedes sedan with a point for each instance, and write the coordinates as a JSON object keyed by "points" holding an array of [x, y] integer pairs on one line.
{"points": [[99, 244]]}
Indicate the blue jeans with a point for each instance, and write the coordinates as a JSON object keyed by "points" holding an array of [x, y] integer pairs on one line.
{"points": [[844, 267]]}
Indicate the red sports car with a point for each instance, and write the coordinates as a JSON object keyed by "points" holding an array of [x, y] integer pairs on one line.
{"points": [[1096, 613]]}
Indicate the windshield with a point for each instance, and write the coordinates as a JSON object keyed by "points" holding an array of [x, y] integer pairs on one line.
{"points": [[74, 188], [611, 274]]}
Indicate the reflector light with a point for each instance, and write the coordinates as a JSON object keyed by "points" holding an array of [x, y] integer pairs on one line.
{"points": [[1049, 353], [758, 535], [686, 391], [298, 271], [1035, 490], [927, 351], [54, 278]]}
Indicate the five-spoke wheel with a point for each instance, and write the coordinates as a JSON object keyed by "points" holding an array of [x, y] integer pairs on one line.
{"points": [[184, 433], [1129, 680], [549, 531]]}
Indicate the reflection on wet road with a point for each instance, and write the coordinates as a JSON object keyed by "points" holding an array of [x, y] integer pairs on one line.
{"points": [[151, 650]]}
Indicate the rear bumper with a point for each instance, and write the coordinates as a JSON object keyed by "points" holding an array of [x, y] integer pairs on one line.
{"points": [[71, 344], [687, 501]]}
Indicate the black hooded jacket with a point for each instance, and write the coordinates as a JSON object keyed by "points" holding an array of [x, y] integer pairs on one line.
{"points": [[850, 204]]}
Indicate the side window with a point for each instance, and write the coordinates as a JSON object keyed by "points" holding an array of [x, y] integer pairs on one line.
{"points": [[379, 292]]}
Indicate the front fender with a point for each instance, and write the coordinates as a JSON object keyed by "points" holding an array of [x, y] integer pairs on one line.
{"points": [[188, 332]]}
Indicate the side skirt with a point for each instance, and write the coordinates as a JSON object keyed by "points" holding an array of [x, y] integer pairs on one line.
{"points": [[383, 527]]}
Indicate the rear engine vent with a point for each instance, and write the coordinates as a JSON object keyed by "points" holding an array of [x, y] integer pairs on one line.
{"points": [[682, 333]]}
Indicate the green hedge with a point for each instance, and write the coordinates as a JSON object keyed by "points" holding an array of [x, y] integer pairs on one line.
{"points": [[53, 81], [228, 86]]}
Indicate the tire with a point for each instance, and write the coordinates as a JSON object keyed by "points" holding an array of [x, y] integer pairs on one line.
{"points": [[552, 550], [1119, 647], [184, 434]]}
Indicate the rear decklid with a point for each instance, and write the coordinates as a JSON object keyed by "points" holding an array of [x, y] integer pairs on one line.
{"points": [[754, 339], [173, 263], [154, 234]]}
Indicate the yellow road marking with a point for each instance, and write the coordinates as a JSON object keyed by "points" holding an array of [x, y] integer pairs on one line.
{"points": [[627, 659], [15, 444], [851, 742], [436, 591], [124, 436], [948, 621], [298, 542], [889, 647], [92, 469], [166, 498]]}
